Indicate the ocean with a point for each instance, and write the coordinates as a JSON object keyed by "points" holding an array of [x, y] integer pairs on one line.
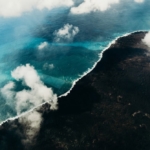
{"points": [[34, 39]]}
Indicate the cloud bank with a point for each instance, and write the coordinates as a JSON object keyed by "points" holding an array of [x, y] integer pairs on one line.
{"points": [[66, 33], [14, 8], [146, 39], [27, 99], [93, 5]]}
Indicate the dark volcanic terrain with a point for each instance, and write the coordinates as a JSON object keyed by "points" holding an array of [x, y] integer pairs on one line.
{"points": [[108, 109]]}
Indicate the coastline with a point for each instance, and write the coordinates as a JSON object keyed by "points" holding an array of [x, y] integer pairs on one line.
{"points": [[100, 57], [74, 82], [107, 109]]}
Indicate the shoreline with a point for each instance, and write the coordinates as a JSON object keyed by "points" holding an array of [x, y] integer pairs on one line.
{"points": [[74, 82], [107, 109]]}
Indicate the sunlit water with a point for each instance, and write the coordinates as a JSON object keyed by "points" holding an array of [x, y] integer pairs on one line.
{"points": [[59, 64]]}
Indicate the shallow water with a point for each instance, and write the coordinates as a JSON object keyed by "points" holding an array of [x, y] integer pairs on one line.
{"points": [[59, 64]]}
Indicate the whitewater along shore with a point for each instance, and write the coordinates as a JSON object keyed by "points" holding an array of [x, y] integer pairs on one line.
{"points": [[107, 109]]}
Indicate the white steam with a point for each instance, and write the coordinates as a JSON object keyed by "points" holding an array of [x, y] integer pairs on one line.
{"points": [[93, 5], [14, 8], [66, 33]]}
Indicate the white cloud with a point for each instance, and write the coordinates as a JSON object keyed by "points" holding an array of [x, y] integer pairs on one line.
{"points": [[38, 92], [139, 1], [93, 5], [27, 74], [146, 39], [31, 123], [13, 8], [8, 91], [47, 66], [42, 45], [25, 99], [66, 33]]}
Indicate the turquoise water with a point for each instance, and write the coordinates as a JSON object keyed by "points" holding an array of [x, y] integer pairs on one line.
{"points": [[60, 63]]}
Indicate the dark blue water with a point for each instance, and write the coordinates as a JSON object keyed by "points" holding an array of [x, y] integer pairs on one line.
{"points": [[59, 63]]}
